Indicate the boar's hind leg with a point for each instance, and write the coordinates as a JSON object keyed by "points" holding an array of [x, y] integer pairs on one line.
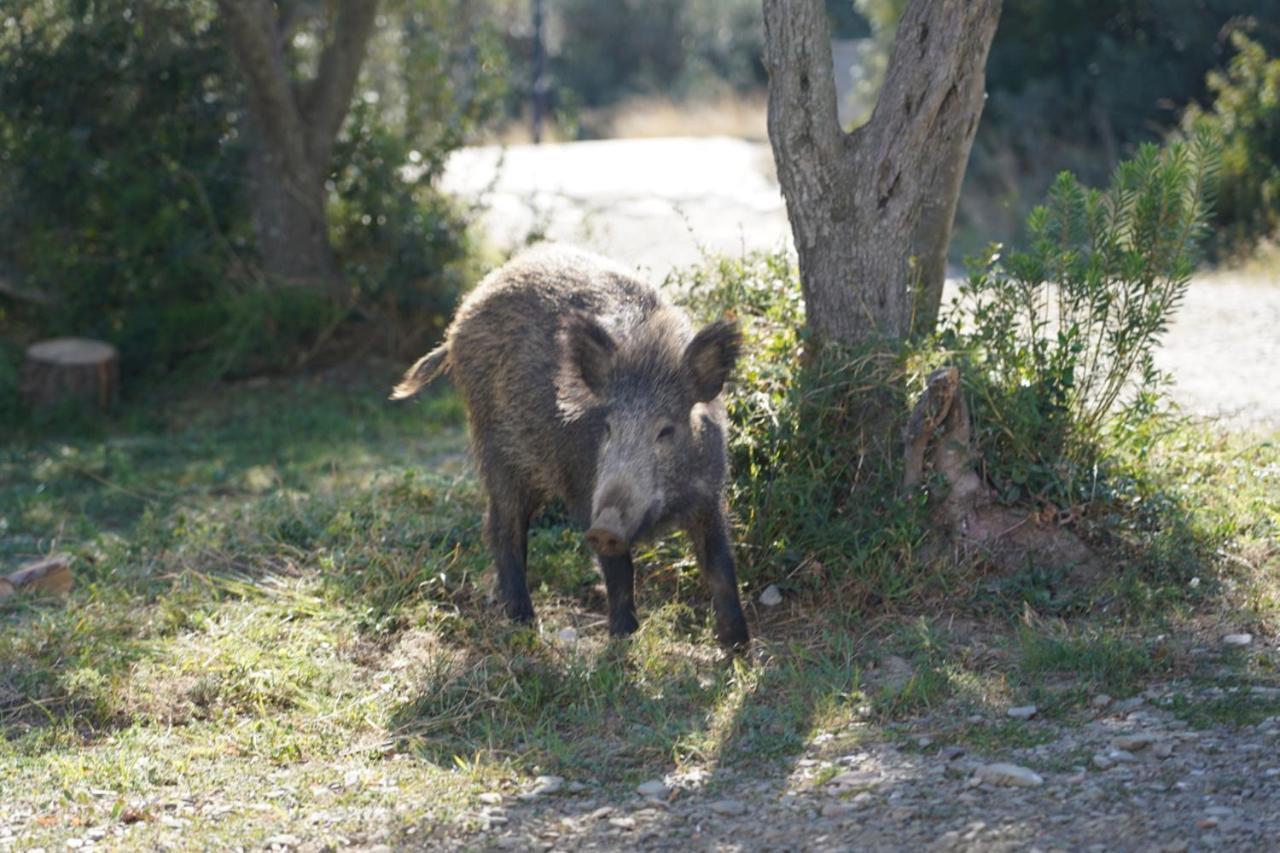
{"points": [[710, 536], [507, 529], [620, 584]]}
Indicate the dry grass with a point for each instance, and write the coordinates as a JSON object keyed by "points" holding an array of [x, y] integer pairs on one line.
{"points": [[739, 116]]}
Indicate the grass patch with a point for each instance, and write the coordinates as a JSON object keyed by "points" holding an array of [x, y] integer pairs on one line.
{"points": [[282, 613]]}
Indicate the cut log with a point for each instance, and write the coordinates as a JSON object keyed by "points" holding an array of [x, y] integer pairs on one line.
{"points": [[50, 575], [71, 369]]}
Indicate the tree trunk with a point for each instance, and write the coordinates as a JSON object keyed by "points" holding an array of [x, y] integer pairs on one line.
{"points": [[294, 124], [871, 210], [288, 213]]}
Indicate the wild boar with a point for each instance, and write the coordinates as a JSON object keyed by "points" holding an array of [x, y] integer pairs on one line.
{"points": [[582, 383]]}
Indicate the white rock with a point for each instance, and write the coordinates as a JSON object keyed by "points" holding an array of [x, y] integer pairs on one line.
{"points": [[729, 808], [1009, 774], [1163, 749], [1102, 700], [1122, 756], [543, 786], [284, 840], [1022, 712], [653, 788], [772, 596], [1237, 639], [1102, 762], [490, 798], [567, 635]]}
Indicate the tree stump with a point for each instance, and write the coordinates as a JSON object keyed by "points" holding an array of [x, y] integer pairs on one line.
{"points": [[71, 369]]}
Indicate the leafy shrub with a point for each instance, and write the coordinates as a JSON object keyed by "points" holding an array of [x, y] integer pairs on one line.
{"points": [[118, 169], [813, 493], [122, 183], [1057, 339], [1246, 113]]}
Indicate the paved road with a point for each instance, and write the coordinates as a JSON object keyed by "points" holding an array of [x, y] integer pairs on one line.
{"points": [[660, 203]]}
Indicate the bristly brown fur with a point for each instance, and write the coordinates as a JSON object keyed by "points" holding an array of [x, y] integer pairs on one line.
{"points": [[546, 352]]}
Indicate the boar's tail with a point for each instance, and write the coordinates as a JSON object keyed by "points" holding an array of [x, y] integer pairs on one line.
{"points": [[427, 368]]}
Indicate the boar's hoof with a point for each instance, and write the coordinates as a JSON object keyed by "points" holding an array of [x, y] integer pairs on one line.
{"points": [[519, 611], [623, 624], [732, 633]]}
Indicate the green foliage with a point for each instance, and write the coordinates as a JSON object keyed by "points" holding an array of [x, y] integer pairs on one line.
{"points": [[1246, 112], [1057, 339], [670, 47], [118, 168], [1077, 85], [123, 184], [813, 487]]}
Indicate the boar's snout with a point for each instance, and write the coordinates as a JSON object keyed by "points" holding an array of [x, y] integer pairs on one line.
{"points": [[607, 536]]}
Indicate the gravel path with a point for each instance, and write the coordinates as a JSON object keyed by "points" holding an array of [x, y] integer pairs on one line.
{"points": [[1134, 777], [659, 203]]}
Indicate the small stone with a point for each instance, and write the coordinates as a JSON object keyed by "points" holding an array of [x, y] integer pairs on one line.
{"points": [[729, 808], [655, 788], [567, 635], [543, 786], [1009, 774], [1133, 743], [1163, 749], [1022, 712], [1102, 700], [284, 840], [1122, 756], [836, 809], [1208, 823], [772, 596], [951, 753], [1124, 706], [861, 801], [1102, 762], [491, 798], [1237, 639]]}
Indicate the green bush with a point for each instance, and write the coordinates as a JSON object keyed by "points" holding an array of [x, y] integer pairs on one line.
{"points": [[1056, 341], [119, 169], [122, 184], [1246, 112], [814, 474]]}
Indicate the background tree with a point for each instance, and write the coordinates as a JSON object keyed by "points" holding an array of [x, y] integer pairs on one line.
{"points": [[295, 122], [871, 210]]}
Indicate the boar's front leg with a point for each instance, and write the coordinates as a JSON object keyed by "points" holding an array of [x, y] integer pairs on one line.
{"points": [[620, 584], [709, 533], [507, 529]]}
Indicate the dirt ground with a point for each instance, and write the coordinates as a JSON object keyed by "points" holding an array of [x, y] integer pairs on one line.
{"points": [[663, 203]]}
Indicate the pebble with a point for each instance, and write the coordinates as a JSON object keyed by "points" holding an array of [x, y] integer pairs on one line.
{"points": [[567, 635], [653, 788], [1237, 639], [1163, 749], [1122, 756], [1022, 712], [1102, 762], [1102, 700], [543, 786], [1009, 774], [951, 753], [729, 808], [1133, 743], [1124, 706], [490, 798], [283, 840], [772, 596]]}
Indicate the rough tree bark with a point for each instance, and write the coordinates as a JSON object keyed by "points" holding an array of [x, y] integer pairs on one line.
{"points": [[871, 210], [294, 124]]}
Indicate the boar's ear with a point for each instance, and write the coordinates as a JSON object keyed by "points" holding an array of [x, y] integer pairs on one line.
{"points": [[710, 358], [588, 351]]}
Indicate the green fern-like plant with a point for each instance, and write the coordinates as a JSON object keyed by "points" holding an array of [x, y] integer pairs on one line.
{"points": [[1059, 338]]}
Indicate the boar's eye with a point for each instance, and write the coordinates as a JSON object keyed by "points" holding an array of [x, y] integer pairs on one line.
{"points": [[666, 433]]}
